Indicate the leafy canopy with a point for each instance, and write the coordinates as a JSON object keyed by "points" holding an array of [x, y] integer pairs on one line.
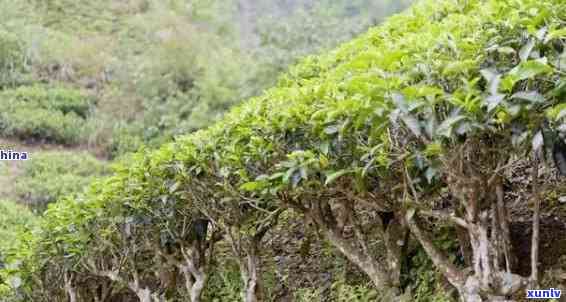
{"points": [[442, 72]]}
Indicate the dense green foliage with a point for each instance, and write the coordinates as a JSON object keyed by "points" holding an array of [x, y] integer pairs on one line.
{"points": [[15, 223], [14, 219], [10, 58], [56, 99], [444, 96], [38, 113], [156, 69], [52, 175]]}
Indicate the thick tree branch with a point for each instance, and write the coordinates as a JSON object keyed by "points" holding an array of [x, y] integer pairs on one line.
{"points": [[448, 269], [501, 212], [446, 216]]}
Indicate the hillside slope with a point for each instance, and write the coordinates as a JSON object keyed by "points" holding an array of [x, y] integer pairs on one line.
{"points": [[109, 77], [410, 149]]}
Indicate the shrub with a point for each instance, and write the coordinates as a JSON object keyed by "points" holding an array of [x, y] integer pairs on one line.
{"points": [[61, 99], [125, 139], [35, 124], [15, 221], [66, 57], [185, 88], [44, 114], [392, 120], [50, 175], [12, 217], [11, 58], [10, 51]]}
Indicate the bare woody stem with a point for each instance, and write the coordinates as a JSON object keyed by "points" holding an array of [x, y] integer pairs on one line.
{"points": [[536, 226], [440, 260], [69, 286]]}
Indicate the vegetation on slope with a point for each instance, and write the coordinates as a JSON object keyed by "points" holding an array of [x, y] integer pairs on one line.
{"points": [[156, 69], [52, 175], [15, 225], [109, 77], [423, 121], [42, 113]]}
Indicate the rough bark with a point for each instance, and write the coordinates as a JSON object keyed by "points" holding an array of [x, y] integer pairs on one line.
{"points": [[69, 287], [194, 283], [253, 288], [492, 280], [464, 243], [194, 267], [195, 271], [144, 294], [246, 249], [482, 199], [503, 221], [247, 252], [101, 291], [193, 259], [198, 287], [373, 269], [440, 260], [394, 238], [355, 249], [469, 286]]}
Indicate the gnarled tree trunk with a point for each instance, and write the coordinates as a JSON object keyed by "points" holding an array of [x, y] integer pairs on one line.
{"points": [[331, 223], [486, 222], [196, 259], [195, 270], [373, 269], [144, 294], [101, 290], [394, 237], [246, 250], [253, 287], [70, 287]]}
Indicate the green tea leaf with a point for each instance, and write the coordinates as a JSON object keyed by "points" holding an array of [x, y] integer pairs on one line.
{"points": [[525, 70]]}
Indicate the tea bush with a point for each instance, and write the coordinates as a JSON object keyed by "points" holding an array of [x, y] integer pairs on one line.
{"points": [[49, 175], [56, 98], [12, 60], [13, 217], [33, 124], [16, 222], [44, 114], [443, 97]]}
